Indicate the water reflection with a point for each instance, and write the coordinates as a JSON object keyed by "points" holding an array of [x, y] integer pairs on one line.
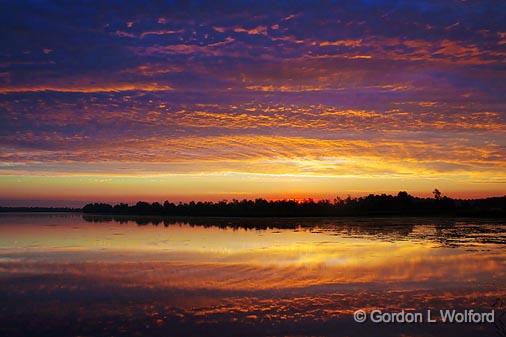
{"points": [[447, 231], [67, 274]]}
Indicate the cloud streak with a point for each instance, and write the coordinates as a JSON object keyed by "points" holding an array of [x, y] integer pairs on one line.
{"points": [[398, 88]]}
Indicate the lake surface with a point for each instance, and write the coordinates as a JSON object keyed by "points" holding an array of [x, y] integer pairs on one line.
{"points": [[75, 275]]}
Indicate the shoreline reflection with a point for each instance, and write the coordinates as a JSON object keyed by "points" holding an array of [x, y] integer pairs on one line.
{"points": [[221, 277]]}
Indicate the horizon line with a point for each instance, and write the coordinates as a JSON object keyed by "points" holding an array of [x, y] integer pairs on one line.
{"points": [[75, 204]]}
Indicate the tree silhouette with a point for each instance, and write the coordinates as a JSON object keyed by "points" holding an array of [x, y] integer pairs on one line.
{"points": [[402, 204]]}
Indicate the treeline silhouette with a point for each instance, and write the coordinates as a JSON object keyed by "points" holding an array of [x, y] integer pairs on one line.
{"points": [[401, 204]]}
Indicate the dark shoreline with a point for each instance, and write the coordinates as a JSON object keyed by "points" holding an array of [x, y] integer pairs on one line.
{"points": [[43, 210], [133, 217], [400, 205], [40, 210]]}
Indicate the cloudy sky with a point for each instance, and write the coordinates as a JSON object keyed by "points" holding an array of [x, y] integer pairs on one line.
{"points": [[114, 100]]}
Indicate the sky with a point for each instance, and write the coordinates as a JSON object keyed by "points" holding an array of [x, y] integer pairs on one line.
{"points": [[121, 101]]}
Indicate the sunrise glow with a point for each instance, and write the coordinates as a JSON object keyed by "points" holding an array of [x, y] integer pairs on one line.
{"points": [[290, 102]]}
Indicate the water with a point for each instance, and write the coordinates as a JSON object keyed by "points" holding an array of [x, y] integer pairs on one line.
{"points": [[69, 275]]}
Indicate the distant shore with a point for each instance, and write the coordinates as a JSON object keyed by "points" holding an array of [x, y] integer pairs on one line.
{"points": [[19, 209], [371, 205]]}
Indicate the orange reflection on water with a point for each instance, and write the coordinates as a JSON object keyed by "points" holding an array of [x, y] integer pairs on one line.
{"points": [[303, 277], [187, 256]]}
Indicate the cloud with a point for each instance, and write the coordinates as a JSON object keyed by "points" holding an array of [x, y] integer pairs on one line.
{"points": [[414, 88], [338, 43], [259, 30], [258, 154], [160, 32], [92, 88]]}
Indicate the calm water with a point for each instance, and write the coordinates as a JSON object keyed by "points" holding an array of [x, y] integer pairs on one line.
{"points": [[69, 275]]}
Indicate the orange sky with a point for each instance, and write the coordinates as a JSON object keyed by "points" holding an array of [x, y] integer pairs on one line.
{"points": [[289, 102]]}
